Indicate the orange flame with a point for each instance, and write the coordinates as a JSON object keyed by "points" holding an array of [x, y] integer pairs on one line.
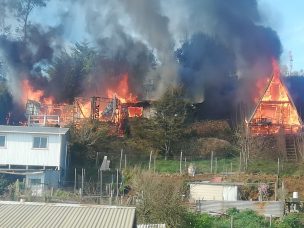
{"points": [[122, 91], [29, 93], [276, 109], [135, 111]]}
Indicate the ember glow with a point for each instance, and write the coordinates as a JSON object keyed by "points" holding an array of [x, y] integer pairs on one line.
{"points": [[275, 110], [135, 111]]}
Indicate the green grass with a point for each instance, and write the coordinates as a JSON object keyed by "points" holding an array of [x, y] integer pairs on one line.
{"points": [[226, 165], [271, 167], [202, 166]]}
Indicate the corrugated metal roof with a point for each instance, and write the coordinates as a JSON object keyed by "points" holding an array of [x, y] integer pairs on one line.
{"points": [[28, 215], [151, 226], [33, 130], [214, 183]]}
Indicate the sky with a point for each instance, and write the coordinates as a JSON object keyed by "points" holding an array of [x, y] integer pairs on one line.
{"points": [[287, 17]]}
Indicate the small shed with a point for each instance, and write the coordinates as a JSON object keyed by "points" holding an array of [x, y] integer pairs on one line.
{"points": [[213, 191]]}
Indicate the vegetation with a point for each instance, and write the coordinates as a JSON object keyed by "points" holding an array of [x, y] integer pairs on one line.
{"points": [[159, 201], [4, 183], [240, 219]]}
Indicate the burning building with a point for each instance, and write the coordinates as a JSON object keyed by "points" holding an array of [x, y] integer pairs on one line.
{"points": [[119, 105], [277, 115], [275, 110]]}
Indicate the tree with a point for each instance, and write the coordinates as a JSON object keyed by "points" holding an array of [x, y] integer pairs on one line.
{"points": [[87, 139], [68, 71], [170, 118], [5, 102], [159, 199], [4, 29], [23, 9], [3, 184]]}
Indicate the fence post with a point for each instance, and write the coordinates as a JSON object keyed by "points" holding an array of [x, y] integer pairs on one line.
{"points": [[231, 221], [75, 179], [117, 187], [125, 161], [82, 173], [211, 165], [150, 160], [121, 151], [180, 162], [100, 186], [154, 164]]}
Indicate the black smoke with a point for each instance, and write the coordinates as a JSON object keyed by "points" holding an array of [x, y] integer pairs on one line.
{"points": [[295, 85], [216, 49], [228, 52]]}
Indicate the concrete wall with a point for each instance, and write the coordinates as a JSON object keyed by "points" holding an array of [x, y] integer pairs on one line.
{"points": [[266, 208]]}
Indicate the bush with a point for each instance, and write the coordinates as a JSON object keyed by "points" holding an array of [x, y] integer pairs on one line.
{"points": [[197, 220], [290, 221], [4, 183], [220, 147]]}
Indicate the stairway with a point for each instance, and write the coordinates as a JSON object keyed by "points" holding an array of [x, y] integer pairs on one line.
{"points": [[291, 152]]}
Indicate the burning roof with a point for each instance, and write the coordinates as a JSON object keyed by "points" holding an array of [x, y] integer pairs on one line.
{"points": [[275, 110]]}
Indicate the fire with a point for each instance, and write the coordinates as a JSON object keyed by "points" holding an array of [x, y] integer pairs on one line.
{"points": [[29, 93], [275, 110], [122, 91], [119, 105], [135, 111]]}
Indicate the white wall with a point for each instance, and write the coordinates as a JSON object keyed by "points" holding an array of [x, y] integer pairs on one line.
{"points": [[206, 192], [213, 192], [19, 151]]}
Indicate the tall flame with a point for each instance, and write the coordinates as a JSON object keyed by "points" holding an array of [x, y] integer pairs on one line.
{"points": [[275, 110], [29, 93], [122, 91]]}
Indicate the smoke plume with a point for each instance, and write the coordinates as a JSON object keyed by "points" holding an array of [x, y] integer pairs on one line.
{"points": [[216, 49]]}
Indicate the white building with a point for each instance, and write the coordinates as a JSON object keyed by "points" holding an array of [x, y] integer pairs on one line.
{"points": [[213, 191], [29, 149]]}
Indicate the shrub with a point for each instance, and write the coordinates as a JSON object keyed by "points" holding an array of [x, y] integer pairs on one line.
{"points": [[290, 221], [197, 220]]}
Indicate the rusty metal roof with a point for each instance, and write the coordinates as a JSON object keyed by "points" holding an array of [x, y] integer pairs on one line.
{"points": [[28, 215]]}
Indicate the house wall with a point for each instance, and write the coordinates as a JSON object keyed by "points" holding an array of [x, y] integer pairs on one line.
{"points": [[64, 151], [19, 151], [48, 179]]}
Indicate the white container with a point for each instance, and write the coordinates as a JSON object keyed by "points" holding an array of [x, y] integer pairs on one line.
{"points": [[295, 195]]}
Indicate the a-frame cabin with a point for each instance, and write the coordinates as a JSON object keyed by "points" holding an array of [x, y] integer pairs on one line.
{"points": [[275, 111], [276, 116]]}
